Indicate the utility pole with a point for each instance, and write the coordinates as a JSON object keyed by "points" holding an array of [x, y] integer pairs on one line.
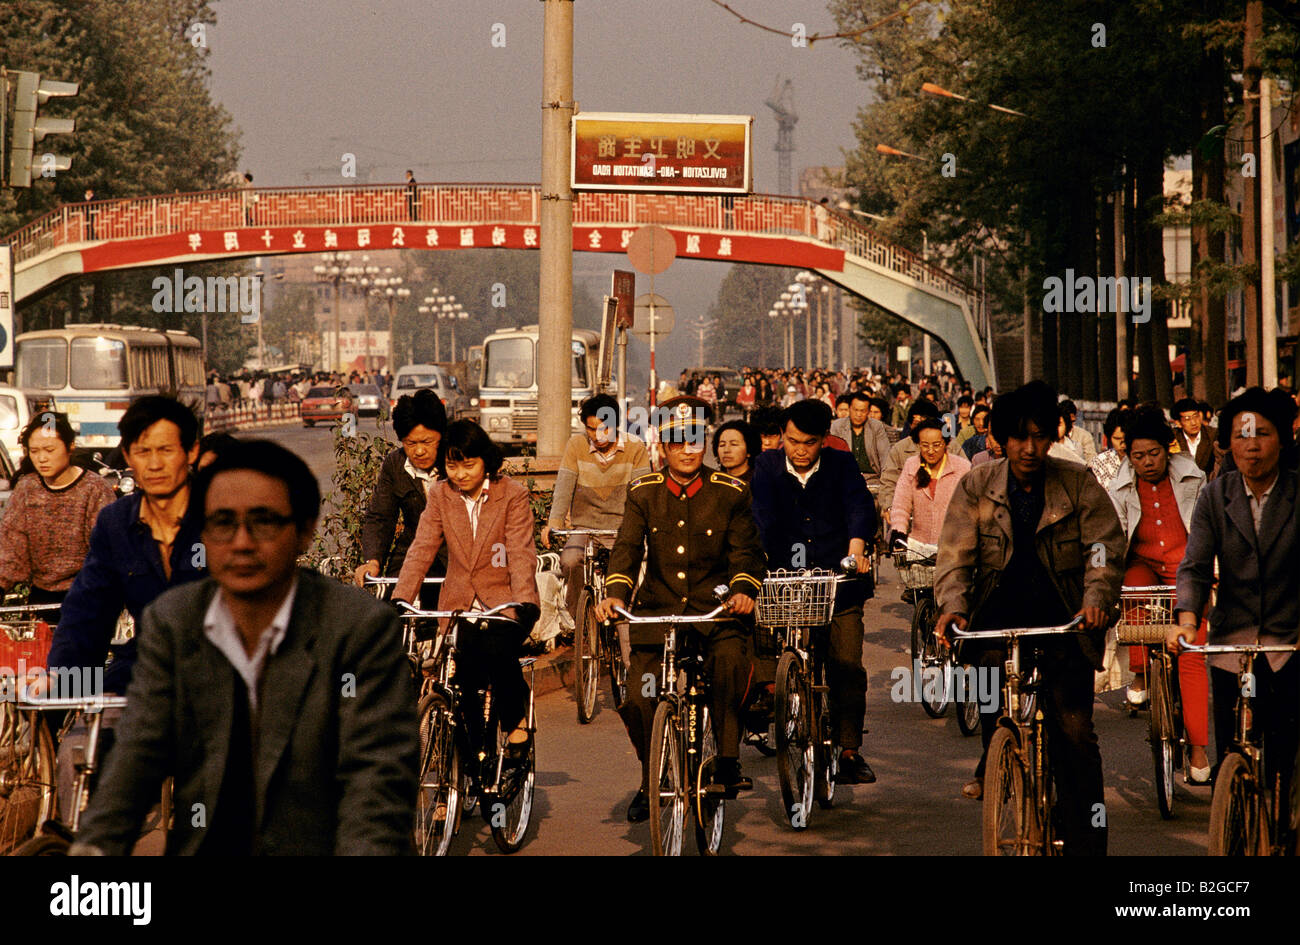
{"points": [[1268, 299], [702, 327], [555, 291], [1250, 215]]}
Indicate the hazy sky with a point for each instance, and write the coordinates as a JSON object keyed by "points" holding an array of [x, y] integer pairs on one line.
{"points": [[418, 83]]}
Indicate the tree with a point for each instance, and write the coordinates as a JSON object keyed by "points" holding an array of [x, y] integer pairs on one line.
{"points": [[146, 123], [743, 330]]}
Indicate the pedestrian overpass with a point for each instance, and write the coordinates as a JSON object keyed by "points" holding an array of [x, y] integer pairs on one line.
{"points": [[173, 229]]}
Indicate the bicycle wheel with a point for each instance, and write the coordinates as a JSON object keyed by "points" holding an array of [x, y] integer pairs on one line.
{"points": [[668, 801], [936, 678], [27, 780], [614, 666], [826, 755], [1238, 821], [1007, 815], [586, 658], [918, 630], [44, 845], [968, 713], [795, 751], [1161, 737], [513, 807], [709, 811], [437, 809]]}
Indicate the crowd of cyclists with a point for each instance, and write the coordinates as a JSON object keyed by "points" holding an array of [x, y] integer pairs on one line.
{"points": [[1031, 522]]}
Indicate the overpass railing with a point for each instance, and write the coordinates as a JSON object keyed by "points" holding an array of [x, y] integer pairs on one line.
{"points": [[429, 204]]}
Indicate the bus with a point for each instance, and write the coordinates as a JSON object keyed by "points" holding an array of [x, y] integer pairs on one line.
{"points": [[507, 390], [93, 373]]}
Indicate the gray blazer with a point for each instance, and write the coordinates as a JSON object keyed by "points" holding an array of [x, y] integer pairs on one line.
{"points": [[874, 434], [335, 771], [1259, 591]]}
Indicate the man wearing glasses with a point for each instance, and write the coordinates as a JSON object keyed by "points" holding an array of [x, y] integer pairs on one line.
{"points": [[259, 687]]}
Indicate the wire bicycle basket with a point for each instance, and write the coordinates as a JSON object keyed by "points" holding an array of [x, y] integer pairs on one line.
{"points": [[916, 573], [796, 598], [1146, 613]]}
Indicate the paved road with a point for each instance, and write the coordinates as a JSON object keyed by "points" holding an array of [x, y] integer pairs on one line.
{"points": [[587, 774]]}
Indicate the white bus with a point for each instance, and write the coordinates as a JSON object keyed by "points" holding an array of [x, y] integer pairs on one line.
{"points": [[93, 373], [507, 391]]}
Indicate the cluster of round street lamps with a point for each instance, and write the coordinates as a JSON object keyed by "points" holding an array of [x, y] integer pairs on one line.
{"points": [[445, 308]]}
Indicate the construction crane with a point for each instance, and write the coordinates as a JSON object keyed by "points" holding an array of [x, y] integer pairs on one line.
{"points": [[781, 101]]}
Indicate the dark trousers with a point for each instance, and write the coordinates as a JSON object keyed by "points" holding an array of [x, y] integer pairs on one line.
{"points": [[729, 670], [1276, 710], [846, 676], [1065, 697], [489, 656]]}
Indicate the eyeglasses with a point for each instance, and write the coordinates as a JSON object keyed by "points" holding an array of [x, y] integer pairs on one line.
{"points": [[262, 525]]}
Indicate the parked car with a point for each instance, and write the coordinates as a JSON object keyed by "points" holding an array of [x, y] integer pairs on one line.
{"points": [[8, 472], [369, 399], [326, 405], [16, 410], [433, 377]]}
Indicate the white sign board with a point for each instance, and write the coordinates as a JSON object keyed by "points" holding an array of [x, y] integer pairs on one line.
{"points": [[6, 308], [664, 317]]}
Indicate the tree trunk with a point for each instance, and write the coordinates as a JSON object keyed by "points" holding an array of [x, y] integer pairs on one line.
{"points": [[1157, 382], [1106, 389]]}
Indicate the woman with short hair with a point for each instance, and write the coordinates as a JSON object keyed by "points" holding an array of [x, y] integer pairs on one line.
{"points": [[926, 485], [45, 534], [736, 444], [486, 521], [1154, 493]]}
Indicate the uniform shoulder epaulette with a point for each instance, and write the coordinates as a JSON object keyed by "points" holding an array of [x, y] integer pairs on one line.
{"points": [[646, 480], [726, 480]]}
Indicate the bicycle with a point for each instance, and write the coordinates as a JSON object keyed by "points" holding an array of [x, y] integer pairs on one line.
{"points": [[596, 646], [1245, 812], [1019, 793], [683, 747], [460, 765], [795, 604], [381, 587], [934, 666], [1146, 613], [27, 776]]}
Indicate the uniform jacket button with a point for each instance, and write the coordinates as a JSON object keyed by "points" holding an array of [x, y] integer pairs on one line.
{"points": [[681, 575]]}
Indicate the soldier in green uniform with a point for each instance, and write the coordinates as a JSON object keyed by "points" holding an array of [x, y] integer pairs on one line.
{"points": [[699, 532]]}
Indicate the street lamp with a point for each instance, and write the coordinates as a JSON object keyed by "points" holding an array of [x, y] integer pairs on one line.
{"points": [[805, 279], [333, 270]]}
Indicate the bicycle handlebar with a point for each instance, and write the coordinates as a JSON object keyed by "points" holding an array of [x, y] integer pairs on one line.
{"points": [[371, 579], [594, 532], [17, 609], [1239, 648], [494, 614], [1072, 627], [677, 619], [85, 704]]}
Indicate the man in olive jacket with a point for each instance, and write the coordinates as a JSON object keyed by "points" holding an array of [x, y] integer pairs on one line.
{"points": [[1030, 541]]}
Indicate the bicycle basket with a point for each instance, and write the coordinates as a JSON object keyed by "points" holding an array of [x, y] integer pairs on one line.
{"points": [[27, 640], [917, 574], [796, 599], [1145, 614]]}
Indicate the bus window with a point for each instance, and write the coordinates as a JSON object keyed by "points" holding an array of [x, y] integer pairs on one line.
{"points": [[98, 364], [42, 364], [579, 378], [508, 362]]}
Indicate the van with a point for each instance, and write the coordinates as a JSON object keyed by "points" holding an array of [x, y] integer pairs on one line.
{"points": [[433, 377], [16, 410]]}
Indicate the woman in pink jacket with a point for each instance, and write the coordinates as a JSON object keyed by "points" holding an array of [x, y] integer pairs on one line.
{"points": [[925, 485], [487, 523]]}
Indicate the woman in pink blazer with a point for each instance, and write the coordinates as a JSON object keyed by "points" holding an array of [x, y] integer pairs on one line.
{"points": [[926, 484], [487, 522]]}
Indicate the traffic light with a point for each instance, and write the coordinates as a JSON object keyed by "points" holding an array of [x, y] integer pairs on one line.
{"points": [[31, 93]]}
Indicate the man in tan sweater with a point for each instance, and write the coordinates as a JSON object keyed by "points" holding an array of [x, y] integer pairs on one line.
{"points": [[591, 485]]}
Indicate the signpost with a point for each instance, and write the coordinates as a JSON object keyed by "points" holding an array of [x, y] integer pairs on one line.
{"points": [[6, 307], [652, 249], [707, 154], [623, 290]]}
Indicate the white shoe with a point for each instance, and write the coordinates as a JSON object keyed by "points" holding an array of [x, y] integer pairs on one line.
{"points": [[1198, 777], [1136, 697]]}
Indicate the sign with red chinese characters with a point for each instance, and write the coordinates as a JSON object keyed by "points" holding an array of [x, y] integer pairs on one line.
{"points": [[707, 154]]}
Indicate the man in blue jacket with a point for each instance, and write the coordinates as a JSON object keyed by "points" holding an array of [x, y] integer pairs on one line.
{"points": [[812, 509], [141, 545]]}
